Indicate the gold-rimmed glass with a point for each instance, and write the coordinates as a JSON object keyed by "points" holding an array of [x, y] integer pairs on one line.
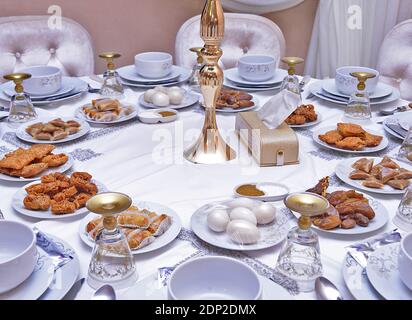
{"points": [[291, 81], [358, 107], [112, 86]]}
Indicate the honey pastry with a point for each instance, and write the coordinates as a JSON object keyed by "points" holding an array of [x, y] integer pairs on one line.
{"points": [[133, 220], [137, 238], [160, 225]]}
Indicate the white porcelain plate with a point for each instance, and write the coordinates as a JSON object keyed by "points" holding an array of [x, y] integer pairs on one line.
{"points": [[233, 75], [382, 90], [149, 289], [382, 271], [189, 100], [37, 283], [62, 169], [80, 115], [229, 84], [384, 143], [344, 168], [64, 277], [270, 234], [273, 191], [403, 119], [18, 197], [129, 73], [23, 135], [159, 242]]}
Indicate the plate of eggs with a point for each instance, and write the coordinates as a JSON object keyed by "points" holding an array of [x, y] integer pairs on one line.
{"points": [[165, 97], [240, 224]]}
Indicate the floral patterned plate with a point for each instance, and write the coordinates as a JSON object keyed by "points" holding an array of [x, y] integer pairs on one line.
{"points": [[382, 271]]}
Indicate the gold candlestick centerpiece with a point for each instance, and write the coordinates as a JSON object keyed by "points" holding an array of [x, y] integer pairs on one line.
{"points": [[299, 258], [21, 107], [210, 147], [112, 261]]}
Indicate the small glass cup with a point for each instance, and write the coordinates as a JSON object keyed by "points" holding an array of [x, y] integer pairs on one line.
{"points": [[405, 151], [403, 217], [111, 87], [21, 107], [299, 258], [193, 81], [291, 81], [358, 107], [112, 261]]}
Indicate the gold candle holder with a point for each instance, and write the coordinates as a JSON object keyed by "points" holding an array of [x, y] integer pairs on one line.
{"points": [[292, 62], [210, 147], [18, 79], [109, 57], [362, 77]]}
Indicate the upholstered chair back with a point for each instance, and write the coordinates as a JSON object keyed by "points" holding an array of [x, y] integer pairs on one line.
{"points": [[28, 41], [395, 59], [244, 34]]}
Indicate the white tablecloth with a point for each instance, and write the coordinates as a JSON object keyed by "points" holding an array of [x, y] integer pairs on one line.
{"points": [[121, 157]]}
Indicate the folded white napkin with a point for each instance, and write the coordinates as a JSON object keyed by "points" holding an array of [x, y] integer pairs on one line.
{"points": [[278, 108]]}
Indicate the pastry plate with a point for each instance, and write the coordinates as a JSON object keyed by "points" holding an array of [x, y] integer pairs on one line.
{"points": [[23, 135], [18, 197], [37, 283], [357, 281], [129, 73], [382, 90], [270, 234], [307, 124], [380, 220], [80, 115], [273, 191], [158, 243], [316, 89], [344, 168], [383, 273], [64, 277], [149, 289], [384, 143], [189, 99], [230, 110], [62, 168], [233, 75]]}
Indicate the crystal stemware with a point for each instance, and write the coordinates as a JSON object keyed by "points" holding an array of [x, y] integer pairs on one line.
{"points": [[405, 151], [299, 258], [21, 107], [112, 261], [358, 107], [111, 87], [291, 81], [193, 82], [403, 217]]}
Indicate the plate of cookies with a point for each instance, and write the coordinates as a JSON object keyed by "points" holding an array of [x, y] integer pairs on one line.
{"points": [[106, 111], [52, 130], [350, 138], [30, 164], [232, 101], [57, 196], [304, 116], [148, 226], [379, 175]]}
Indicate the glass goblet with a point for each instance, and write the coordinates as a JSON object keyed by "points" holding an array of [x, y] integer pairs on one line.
{"points": [[358, 107], [112, 86], [291, 81], [193, 82]]}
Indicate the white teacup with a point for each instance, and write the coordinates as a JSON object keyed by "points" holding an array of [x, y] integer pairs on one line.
{"points": [[18, 254], [405, 261], [153, 64], [44, 80], [256, 67], [347, 84]]}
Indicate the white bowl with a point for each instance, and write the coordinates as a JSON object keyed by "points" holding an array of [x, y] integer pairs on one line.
{"points": [[347, 84], [256, 67], [405, 261], [18, 254], [214, 278], [153, 64], [44, 80]]}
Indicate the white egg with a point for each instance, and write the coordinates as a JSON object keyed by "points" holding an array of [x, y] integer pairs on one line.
{"points": [[243, 232], [265, 213], [148, 95], [241, 213], [161, 89], [176, 97], [243, 202], [217, 220], [160, 99]]}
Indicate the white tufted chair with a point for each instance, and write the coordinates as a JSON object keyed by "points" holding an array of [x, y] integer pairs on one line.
{"points": [[27, 41], [395, 59], [244, 33]]}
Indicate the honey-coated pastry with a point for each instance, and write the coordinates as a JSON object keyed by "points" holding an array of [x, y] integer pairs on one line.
{"points": [[348, 223], [36, 202], [302, 114], [320, 187], [160, 225], [403, 174], [62, 207], [386, 174], [363, 164], [30, 170], [399, 184], [389, 163], [17, 162], [331, 137], [373, 183], [138, 238], [351, 143], [133, 220], [351, 130], [80, 200], [372, 140], [352, 207], [361, 220], [328, 223], [359, 175], [41, 150], [66, 194], [55, 160], [82, 175]]}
